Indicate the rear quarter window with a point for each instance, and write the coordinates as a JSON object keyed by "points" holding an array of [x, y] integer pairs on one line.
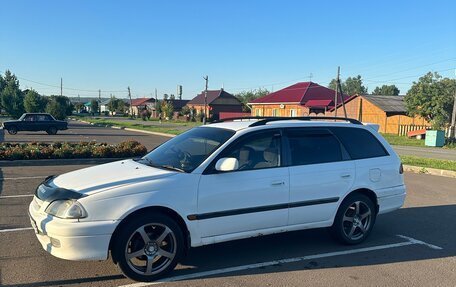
{"points": [[359, 143], [309, 146]]}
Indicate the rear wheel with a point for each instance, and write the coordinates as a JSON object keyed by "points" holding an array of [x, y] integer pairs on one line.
{"points": [[355, 219], [52, 131], [148, 247], [12, 130]]}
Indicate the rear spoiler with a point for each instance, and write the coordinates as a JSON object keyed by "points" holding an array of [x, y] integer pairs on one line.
{"points": [[374, 127]]}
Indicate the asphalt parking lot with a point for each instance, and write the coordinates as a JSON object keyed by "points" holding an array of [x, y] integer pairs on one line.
{"points": [[424, 254]]}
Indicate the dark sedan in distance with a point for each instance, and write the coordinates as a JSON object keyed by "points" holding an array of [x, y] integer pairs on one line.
{"points": [[35, 122]]}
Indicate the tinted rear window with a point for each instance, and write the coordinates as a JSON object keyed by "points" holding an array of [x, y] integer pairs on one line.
{"points": [[359, 143], [313, 146]]}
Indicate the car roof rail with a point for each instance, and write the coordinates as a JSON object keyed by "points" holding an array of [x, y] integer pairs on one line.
{"points": [[264, 120]]}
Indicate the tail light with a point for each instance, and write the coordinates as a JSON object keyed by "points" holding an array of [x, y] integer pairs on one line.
{"points": [[401, 169]]}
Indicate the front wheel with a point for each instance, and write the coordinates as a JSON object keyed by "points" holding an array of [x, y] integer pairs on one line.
{"points": [[148, 247], [355, 219], [12, 130]]}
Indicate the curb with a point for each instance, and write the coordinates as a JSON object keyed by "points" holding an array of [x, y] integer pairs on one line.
{"points": [[149, 132], [47, 162], [431, 171]]}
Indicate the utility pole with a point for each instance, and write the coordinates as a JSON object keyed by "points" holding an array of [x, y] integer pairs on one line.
{"points": [[99, 102], [131, 106], [452, 133], [339, 88], [61, 87], [156, 104], [337, 93], [205, 100]]}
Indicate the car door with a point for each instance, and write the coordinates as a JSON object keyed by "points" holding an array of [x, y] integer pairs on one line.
{"points": [[320, 174], [28, 123], [41, 122], [253, 197]]}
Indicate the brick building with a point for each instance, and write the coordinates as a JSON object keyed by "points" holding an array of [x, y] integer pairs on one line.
{"points": [[217, 101], [300, 99]]}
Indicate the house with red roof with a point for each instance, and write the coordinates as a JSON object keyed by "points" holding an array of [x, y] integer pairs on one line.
{"points": [[218, 101], [140, 104], [300, 99]]}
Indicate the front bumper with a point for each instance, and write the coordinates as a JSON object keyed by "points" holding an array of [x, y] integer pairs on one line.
{"points": [[71, 239]]}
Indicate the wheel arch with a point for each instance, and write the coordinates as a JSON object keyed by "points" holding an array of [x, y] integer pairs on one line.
{"points": [[367, 192], [157, 209]]}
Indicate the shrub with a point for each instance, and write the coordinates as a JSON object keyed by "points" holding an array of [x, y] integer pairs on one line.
{"points": [[58, 150]]}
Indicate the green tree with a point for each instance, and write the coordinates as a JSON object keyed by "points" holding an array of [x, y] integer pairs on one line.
{"points": [[120, 106], [59, 106], [94, 106], [79, 107], [432, 98], [167, 109], [351, 86], [12, 98], [113, 104], [247, 96], [386, 90], [34, 102]]}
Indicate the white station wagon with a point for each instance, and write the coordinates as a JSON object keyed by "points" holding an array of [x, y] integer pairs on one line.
{"points": [[221, 182]]}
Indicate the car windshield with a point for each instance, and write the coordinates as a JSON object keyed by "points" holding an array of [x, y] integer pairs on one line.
{"points": [[22, 117], [187, 151]]}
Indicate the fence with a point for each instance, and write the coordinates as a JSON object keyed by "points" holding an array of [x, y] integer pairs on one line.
{"points": [[404, 129]]}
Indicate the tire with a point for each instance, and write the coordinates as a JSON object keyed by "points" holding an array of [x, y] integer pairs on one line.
{"points": [[12, 130], [354, 219], [52, 131], [164, 249]]}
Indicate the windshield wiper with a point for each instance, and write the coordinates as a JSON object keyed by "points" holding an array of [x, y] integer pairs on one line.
{"points": [[165, 166], [170, 167]]}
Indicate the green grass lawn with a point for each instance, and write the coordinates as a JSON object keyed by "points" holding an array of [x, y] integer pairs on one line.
{"points": [[169, 127], [402, 140], [405, 141], [428, 162]]}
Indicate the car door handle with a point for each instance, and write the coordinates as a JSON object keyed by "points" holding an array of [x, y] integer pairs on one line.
{"points": [[276, 183], [345, 175]]}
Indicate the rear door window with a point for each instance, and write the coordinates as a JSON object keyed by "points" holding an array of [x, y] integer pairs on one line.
{"points": [[359, 143], [311, 146]]}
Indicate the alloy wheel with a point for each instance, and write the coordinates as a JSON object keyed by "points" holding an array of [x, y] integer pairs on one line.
{"points": [[357, 220], [151, 249]]}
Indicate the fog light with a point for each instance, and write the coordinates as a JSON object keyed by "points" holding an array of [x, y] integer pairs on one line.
{"points": [[55, 242]]}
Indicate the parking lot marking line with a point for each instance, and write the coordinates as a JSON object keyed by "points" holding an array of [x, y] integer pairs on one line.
{"points": [[22, 177], [14, 196], [410, 241], [416, 241], [15, 229]]}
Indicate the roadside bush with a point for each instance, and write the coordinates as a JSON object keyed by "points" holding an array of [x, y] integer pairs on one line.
{"points": [[145, 115], [58, 150]]}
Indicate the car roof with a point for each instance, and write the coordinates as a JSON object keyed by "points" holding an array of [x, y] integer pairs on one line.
{"points": [[237, 125]]}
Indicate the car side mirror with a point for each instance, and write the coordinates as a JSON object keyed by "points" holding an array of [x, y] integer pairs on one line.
{"points": [[227, 164]]}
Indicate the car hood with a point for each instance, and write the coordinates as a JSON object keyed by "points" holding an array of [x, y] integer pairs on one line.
{"points": [[11, 121], [107, 176]]}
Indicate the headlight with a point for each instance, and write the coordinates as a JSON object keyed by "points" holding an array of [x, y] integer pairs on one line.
{"points": [[69, 209]]}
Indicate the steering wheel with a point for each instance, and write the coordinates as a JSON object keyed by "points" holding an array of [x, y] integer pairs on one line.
{"points": [[183, 156]]}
